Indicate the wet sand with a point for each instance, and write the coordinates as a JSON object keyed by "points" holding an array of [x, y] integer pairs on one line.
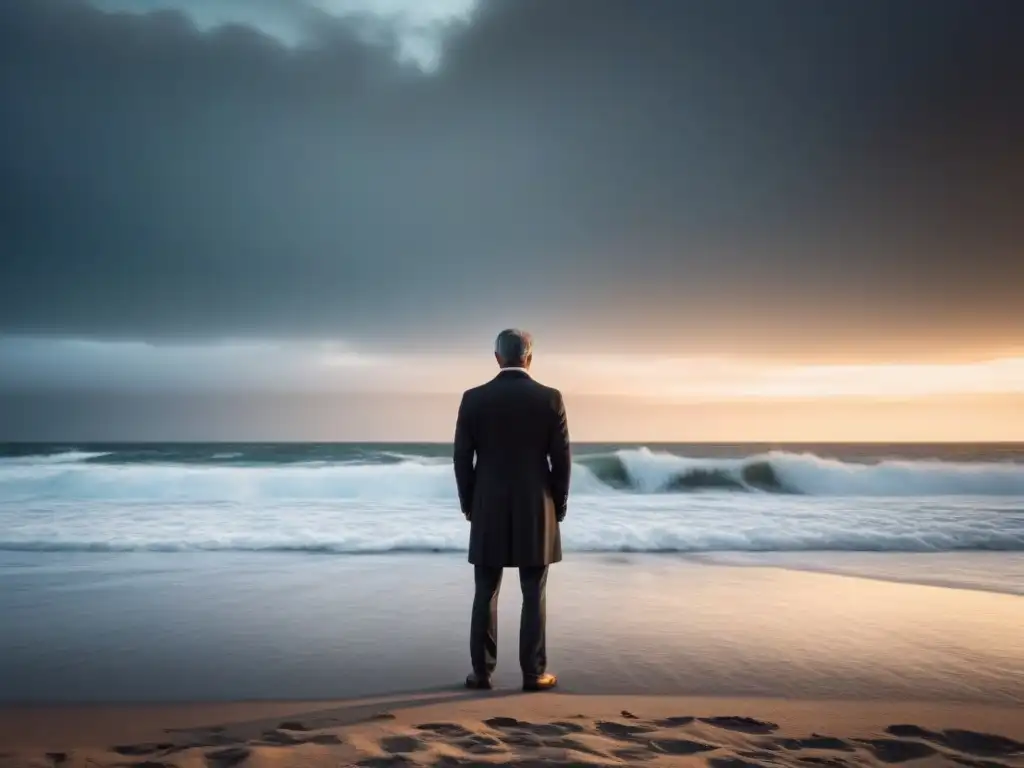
{"points": [[171, 628], [167, 660]]}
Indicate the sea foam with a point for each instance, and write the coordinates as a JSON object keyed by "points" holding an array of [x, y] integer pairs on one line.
{"points": [[631, 500], [87, 476]]}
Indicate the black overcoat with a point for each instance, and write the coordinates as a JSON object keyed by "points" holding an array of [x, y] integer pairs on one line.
{"points": [[516, 492]]}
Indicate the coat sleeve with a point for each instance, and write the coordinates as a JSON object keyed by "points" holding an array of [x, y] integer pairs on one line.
{"points": [[464, 451], [560, 454]]}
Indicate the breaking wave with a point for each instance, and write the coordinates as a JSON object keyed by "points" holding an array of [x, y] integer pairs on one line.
{"points": [[78, 475], [645, 471]]}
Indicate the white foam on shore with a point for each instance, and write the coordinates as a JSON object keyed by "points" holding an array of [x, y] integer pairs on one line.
{"points": [[612, 523], [64, 457]]}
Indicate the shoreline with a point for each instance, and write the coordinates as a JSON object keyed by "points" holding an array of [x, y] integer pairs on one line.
{"points": [[852, 564], [864, 566], [250, 628]]}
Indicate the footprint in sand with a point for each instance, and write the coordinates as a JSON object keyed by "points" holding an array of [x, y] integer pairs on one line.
{"points": [[463, 738], [568, 727], [139, 750], [539, 730], [682, 746], [278, 739], [402, 745], [285, 739], [393, 761], [969, 742], [447, 730], [227, 758], [910, 732], [293, 725], [816, 741], [830, 762], [674, 722], [982, 744], [741, 724], [555, 735], [480, 744], [897, 750], [521, 740], [622, 731], [323, 739], [733, 762]]}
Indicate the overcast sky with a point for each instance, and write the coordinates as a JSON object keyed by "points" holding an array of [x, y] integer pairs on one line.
{"points": [[337, 183]]}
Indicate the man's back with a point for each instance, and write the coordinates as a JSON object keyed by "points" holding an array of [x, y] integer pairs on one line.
{"points": [[515, 494], [512, 467]]}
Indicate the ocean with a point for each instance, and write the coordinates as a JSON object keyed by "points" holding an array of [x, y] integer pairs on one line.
{"points": [[139, 572], [348, 499]]}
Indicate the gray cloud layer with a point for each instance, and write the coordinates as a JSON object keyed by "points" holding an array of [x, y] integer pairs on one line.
{"points": [[666, 173]]}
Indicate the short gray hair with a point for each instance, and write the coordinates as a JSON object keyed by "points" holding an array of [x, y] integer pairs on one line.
{"points": [[513, 346]]}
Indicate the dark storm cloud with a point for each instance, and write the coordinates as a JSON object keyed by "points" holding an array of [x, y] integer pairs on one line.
{"points": [[668, 172]]}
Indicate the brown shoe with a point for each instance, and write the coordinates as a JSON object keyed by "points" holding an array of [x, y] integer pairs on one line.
{"points": [[543, 682], [477, 682]]}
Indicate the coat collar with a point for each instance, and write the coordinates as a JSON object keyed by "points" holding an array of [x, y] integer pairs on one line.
{"points": [[514, 373]]}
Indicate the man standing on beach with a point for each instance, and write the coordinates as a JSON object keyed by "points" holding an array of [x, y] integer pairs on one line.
{"points": [[514, 496]]}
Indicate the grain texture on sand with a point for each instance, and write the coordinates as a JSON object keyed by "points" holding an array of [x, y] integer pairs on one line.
{"points": [[454, 730]]}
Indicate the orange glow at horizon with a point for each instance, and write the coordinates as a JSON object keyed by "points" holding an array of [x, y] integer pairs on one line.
{"points": [[719, 399], [717, 379], [611, 397]]}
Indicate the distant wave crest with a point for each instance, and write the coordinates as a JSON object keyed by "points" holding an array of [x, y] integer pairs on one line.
{"points": [[74, 475], [645, 471]]}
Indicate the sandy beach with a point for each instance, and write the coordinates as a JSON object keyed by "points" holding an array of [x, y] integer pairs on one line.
{"points": [[514, 729]]}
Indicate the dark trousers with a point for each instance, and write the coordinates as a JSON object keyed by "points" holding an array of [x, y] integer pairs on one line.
{"points": [[483, 630]]}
